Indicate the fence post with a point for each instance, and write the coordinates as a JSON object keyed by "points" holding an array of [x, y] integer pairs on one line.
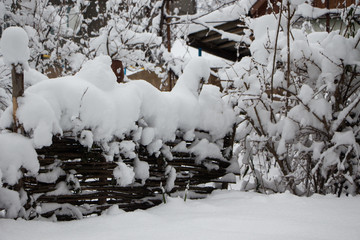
{"points": [[16, 53]]}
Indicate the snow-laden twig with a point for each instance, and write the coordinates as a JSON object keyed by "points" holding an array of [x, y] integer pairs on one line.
{"points": [[344, 114]]}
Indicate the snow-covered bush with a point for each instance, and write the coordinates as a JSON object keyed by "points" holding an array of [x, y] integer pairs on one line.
{"points": [[137, 34], [50, 35], [93, 100], [64, 35], [298, 103], [17, 156], [119, 118], [131, 34]]}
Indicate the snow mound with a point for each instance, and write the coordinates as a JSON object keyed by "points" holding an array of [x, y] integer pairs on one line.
{"points": [[92, 100], [16, 151]]}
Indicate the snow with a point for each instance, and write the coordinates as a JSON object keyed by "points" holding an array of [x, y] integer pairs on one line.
{"points": [[31, 77], [93, 101], [224, 215], [306, 93], [16, 151], [166, 152], [95, 108], [219, 114], [43, 121], [218, 17], [171, 177], [189, 135], [196, 72], [147, 136], [204, 149], [321, 107], [14, 46], [61, 189], [307, 11], [92, 107], [122, 39], [262, 26], [180, 147], [124, 174], [10, 200], [51, 176], [127, 148], [86, 139], [341, 138], [154, 147], [2, 10], [104, 80], [141, 169], [180, 50]]}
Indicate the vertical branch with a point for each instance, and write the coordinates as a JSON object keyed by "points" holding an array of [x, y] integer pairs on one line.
{"points": [[288, 46], [107, 42], [17, 74], [168, 34], [288, 70], [168, 30], [308, 174], [327, 16], [162, 14], [275, 52]]}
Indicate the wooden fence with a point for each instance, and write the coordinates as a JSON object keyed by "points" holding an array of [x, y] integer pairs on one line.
{"points": [[90, 186]]}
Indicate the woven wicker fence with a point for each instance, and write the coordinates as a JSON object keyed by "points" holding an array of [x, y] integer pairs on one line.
{"points": [[75, 181]]}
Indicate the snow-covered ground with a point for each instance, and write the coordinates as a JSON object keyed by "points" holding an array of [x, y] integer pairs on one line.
{"points": [[224, 215]]}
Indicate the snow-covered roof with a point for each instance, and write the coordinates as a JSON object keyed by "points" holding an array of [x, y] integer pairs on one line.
{"points": [[307, 11], [229, 13], [219, 31], [183, 51]]}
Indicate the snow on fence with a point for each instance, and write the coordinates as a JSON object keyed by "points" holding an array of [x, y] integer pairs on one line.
{"points": [[74, 181], [89, 143]]}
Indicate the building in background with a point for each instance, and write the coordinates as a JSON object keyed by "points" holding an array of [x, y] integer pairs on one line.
{"points": [[228, 26]]}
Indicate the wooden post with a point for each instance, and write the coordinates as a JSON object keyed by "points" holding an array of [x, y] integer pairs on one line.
{"points": [[103, 182], [118, 69], [17, 74]]}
